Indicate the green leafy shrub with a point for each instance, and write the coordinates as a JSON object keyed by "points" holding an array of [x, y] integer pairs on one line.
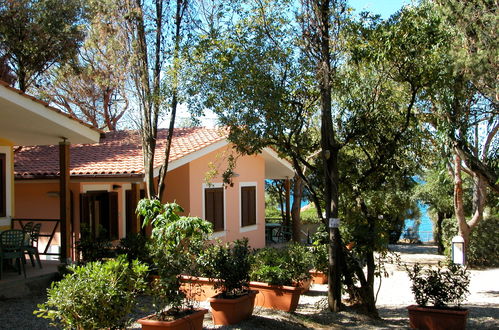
{"points": [[286, 266], [320, 259], [231, 266], [174, 243], [135, 246], [483, 248], [96, 295], [439, 287], [91, 247], [309, 215]]}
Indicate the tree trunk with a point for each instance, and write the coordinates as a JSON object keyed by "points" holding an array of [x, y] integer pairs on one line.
{"points": [[287, 189], [295, 210], [464, 229], [479, 198], [368, 288], [21, 77], [438, 233], [330, 151], [179, 13]]}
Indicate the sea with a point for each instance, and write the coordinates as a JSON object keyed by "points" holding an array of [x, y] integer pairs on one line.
{"points": [[425, 227]]}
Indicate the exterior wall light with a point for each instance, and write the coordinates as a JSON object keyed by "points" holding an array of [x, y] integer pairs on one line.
{"points": [[458, 251]]}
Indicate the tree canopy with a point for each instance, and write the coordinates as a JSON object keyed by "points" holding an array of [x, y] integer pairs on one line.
{"points": [[35, 35]]}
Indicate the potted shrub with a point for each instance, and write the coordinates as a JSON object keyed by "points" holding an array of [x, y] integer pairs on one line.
{"points": [[281, 276], [231, 267], [320, 263], [173, 241], [199, 282], [444, 290], [95, 296]]}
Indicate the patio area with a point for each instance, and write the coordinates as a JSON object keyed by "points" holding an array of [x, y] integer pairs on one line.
{"points": [[13, 285]]}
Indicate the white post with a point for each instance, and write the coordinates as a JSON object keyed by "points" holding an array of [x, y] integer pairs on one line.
{"points": [[458, 252]]}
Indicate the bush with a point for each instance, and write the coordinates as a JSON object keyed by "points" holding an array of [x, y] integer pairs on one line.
{"points": [[439, 287], [172, 242], [231, 266], [320, 259], [93, 248], [97, 295], [483, 248], [135, 246], [309, 215], [286, 266]]}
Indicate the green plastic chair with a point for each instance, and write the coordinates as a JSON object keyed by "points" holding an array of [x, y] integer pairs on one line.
{"points": [[28, 227], [32, 247], [12, 247]]}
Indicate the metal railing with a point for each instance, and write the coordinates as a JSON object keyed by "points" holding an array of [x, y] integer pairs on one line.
{"points": [[50, 236]]}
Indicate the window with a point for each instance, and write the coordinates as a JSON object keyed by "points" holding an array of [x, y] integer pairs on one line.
{"points": [[214, 207], [248, 206], [3, 185]]}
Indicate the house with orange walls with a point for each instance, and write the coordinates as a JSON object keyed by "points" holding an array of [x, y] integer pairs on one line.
{"points": [[25, 120], [107, 179]]}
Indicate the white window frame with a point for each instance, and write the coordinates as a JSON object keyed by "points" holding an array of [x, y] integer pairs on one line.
{"points": [[244, 229], [223, 232]]}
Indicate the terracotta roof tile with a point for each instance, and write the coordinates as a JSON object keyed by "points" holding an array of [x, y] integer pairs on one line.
{"points": [[118, 154]]}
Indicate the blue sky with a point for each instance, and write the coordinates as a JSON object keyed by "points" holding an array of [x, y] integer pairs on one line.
{"points": [[385, 8]]}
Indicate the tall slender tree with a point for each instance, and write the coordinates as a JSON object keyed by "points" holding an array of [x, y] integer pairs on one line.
{"points": [[157, 34]]}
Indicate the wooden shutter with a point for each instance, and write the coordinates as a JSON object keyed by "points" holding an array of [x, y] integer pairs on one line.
{"points": [[3, 185], [214, 207], [129, 212], [130, 215], [113, 215], [248, 206], [84, 209]]}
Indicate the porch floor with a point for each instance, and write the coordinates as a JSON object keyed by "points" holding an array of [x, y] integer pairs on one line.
{"points": [[13, 285]]}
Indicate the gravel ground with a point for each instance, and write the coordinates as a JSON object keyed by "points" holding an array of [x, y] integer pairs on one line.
{"points": [[393, 297]]}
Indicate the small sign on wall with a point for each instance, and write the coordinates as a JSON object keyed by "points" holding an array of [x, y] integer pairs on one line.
{"points": [[334, 222]]}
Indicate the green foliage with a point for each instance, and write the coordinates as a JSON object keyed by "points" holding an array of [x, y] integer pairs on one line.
{"points": [[273, 212], [231, 265], [436, 190], [439, 287], [483, 246], [175, 242], [309, 215], [473, 26], [286, 266], [95, 296], [91, 247], [92, 87], [37, 34], [380, 220], [320, 260], [135, 246]]}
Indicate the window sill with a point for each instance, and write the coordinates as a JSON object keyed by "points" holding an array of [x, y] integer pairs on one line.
{"points": [[248, 228]]}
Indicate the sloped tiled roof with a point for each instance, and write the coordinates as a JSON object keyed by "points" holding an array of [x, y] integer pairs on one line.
{"points": [[118, 154]]}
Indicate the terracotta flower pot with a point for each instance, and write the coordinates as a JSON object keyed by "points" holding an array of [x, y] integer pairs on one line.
{"points": [[232, 311], [437, 318], [198, 288], [281, 297], [318, 277], [192, 321]]}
